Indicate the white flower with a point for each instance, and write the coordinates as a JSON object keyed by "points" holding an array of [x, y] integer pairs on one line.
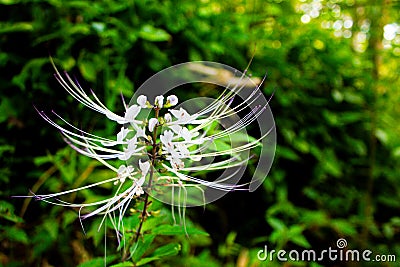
{"points": [[123, 172], [152, 123], [166, 139], [131, 113], [167, 117], [141, 132], [139, 189], [172, 100], [159, 101], [175, 150], [142, 101], [183, 150], [131, 149], [175, 127], [120, 138], [177, 163], [144, 167], [122, 134], [185, 133], [182, 116]]}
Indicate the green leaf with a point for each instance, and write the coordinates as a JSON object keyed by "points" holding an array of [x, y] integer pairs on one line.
{"points": [[353, 98], [93, 263], [15, 27], [6, 109], [351, 117], [98, 26], [152, 34], [146, 260], [7, 212], [301, 241], [9, 2], [388, 230], [241, 137], [331, 117], [151, 223], [331, 163], [68, 218], [79, 28], [396, 152], [287, 153], [122, 264], [131, 222], [30, 70], [51, 225], [177, 230], [295, 234], [276, 224], [88, 70], [95, 233], [15, 234], [358, 146], [221, 145], [42, 243], [382, 136], [337, 95], [344, 227], [138, 250], [99, 262], [164, 251], [312, 218], [395, 221], [301, 145]]}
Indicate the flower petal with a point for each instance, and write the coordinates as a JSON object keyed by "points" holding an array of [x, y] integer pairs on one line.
{"points": [[141, 100], [144, 167], [172, 100], [131, 113], [159, 101], [152, 123]]}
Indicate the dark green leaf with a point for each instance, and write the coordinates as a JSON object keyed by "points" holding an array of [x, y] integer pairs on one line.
{"points": [[152, 34], [139, 249], [166, 229], [164, 251], [7, 212]]}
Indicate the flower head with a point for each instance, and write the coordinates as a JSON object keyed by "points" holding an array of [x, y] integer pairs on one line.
{"points": [[165, 154]]}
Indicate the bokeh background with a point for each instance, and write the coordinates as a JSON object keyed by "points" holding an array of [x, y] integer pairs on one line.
{"points": [[334, 67]]}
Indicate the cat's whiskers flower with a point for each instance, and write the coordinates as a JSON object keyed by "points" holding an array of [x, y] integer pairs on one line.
{"points": [[164, 151]]}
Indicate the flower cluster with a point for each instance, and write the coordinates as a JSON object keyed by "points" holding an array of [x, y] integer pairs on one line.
{"points": [[160, 147]]}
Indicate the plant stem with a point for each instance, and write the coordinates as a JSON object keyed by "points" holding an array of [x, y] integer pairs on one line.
{"points": [[146, 198]]}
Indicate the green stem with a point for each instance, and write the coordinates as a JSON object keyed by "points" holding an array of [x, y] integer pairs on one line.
{"points": [[146, 198]]}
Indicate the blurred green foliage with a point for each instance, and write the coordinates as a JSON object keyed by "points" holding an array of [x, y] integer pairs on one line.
{"points": [[336, 108]]}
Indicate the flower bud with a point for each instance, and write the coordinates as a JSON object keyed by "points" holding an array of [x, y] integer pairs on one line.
{"points": [[159, 101], [172, 100], [152, 123]]}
